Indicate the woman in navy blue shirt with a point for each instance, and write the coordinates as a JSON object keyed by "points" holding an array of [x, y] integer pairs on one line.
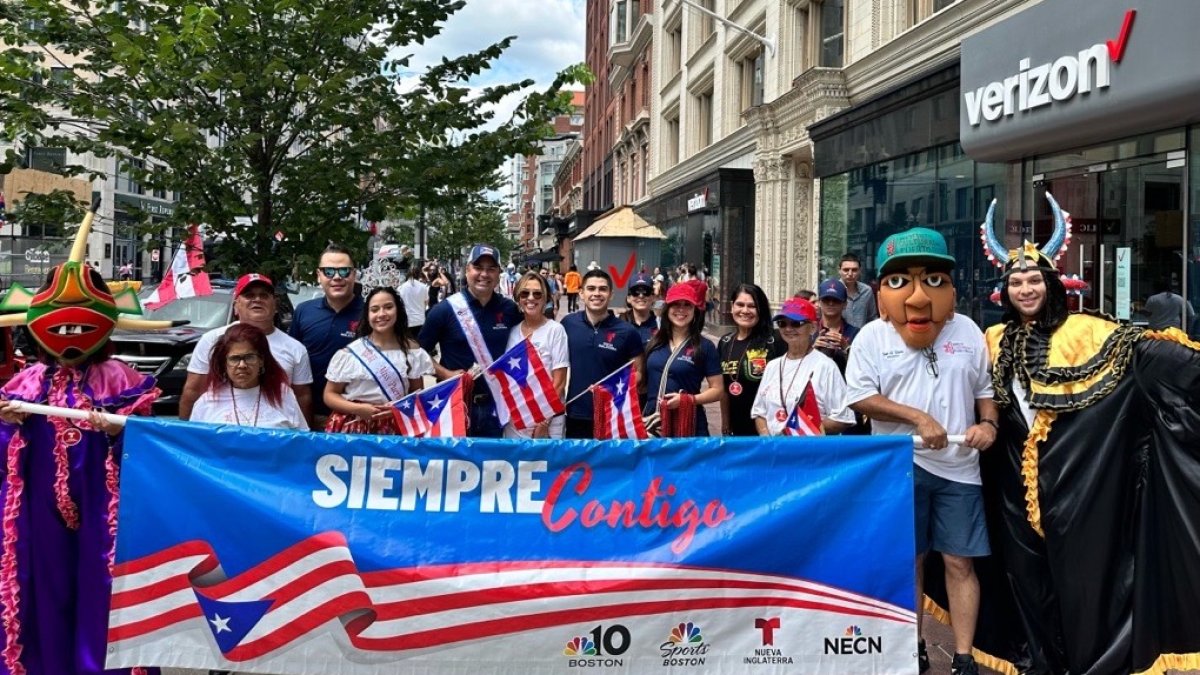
{"points": [[679, 353]]}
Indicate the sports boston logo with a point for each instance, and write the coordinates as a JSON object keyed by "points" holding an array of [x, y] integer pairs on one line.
{"points": [[684, 647]]}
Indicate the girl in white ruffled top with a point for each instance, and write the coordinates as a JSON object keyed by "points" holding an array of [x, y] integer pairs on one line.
{"points": [[382, 366]]}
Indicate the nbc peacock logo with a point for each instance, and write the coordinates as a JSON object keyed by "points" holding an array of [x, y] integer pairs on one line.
{"points": [[599, 648], [580, 646], [852, 641], [685, 646]]}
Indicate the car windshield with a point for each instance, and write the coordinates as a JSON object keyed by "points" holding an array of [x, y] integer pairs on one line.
{"points": [[204, 312]]}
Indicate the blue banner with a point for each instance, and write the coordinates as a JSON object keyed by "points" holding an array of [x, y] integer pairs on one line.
{"points": [[282, 552]]}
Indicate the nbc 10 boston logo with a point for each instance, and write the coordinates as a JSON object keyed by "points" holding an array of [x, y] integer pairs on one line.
{"points": [[852, 641], [598, 648]]}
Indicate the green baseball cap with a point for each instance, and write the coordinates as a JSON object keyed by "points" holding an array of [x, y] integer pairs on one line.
{"points": [[918, 246]]}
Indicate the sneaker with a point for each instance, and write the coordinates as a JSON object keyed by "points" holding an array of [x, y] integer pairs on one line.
{"points": [[922, 657], [964, 664]]}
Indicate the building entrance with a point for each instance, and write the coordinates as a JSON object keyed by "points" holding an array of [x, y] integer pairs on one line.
{"points": [[1128, 231]]}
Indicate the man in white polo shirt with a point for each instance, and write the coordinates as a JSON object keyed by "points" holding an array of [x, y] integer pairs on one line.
{"points": [[254, 304], [921, 370]]}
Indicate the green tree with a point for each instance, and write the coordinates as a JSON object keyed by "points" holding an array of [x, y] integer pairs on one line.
{"points": [[291, 112], [476, 221], [46, 215]]}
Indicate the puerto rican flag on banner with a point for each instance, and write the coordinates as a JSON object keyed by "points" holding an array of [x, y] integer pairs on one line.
{"points": [[525, 387], [617, 413], [805, 419], [437, 412], [185, 278]]}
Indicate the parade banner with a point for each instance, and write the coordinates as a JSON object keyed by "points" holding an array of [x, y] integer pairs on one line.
{"points": [[270, 551]]}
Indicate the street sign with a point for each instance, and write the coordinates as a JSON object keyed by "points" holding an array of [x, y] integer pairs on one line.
{"points": [[154, 255]]}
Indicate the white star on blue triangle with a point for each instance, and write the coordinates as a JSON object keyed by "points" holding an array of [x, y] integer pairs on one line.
{"points": [[230, 622]]}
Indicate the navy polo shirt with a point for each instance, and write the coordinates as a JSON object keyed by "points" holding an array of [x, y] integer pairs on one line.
{"points": [[495, 320], [647, 328], [687, 372], [596, 351], [323, 332]]}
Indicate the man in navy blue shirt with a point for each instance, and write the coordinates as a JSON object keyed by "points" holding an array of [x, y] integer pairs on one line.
{"points": [[641, 300], [598, 343], [494, 315], [326, 324]]}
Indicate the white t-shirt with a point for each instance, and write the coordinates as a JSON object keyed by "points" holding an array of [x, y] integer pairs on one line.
{"points": [[291, 355], [880, 363], [251, 410], [414, 294], [550, 341], [361, 386], [827, 383]]}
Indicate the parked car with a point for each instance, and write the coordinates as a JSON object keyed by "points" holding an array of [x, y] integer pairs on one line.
{"points": [[165, 354]]}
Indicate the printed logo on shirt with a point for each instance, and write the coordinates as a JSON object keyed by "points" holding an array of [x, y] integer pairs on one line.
{"points": [[352, 330], [892, 354], [757, 358], [610, 336], [952, 347]]}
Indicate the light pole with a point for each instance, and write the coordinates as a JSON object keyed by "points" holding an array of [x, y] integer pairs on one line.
{"points": [[770, 44]]}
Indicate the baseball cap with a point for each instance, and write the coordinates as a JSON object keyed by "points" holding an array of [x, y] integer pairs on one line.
{"points": [[917, 246], [797, 309], [252, 278], [692, 291], [480, 250], [641, 280], [832, 288]]}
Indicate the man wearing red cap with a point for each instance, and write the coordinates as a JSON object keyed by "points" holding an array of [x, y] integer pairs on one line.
{"points": [[254, 304]]}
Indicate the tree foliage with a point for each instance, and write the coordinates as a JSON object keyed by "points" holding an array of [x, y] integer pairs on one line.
{"points": [[292, 112], [477, 221]]}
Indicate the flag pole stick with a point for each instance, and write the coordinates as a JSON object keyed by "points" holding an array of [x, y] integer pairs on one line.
{"points": [[69, 413], [589, 387]]}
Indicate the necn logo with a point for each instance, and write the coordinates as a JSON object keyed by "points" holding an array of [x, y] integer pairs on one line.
{"points": [[854, 642], [599, 643], [684, 647]]}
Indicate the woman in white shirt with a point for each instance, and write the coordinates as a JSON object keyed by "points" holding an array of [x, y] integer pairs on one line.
{"points": [[246, 385], [787, 377], [384, 365], [549, 339]]}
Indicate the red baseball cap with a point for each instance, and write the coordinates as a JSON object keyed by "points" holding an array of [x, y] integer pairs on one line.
{"points": [[252, 278], [692, 290]]}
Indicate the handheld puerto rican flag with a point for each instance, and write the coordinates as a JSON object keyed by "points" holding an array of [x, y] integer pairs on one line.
{"points": [[616, 411], [805, 419], [182, 280], [525, 387], [437, 412]]}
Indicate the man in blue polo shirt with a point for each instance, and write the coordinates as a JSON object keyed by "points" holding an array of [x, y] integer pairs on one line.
{"points": [[493, 317], [598, 343], [326, 324]]}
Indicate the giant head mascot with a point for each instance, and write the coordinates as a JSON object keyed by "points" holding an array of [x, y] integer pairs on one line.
{"points": [[916, 293], [74, 315]]}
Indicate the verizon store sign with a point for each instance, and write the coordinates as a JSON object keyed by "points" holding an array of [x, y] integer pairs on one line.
{"points": [[1070, 73]]}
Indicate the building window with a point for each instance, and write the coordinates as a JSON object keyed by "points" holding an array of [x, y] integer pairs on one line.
{"points": [[707, 25], [620, 21], [671, 140], [674, 51], [751, 93], [126, 182], [704, 119], [919, 10], [702, 24], [50, 160], [799, 30], [833, 33]]}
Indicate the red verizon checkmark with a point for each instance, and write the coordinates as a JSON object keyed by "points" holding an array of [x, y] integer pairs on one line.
{"points": [[1116, 50], [620, 278]]}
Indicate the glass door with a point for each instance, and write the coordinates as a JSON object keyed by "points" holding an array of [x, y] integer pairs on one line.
{"points": [[1127, 234]]}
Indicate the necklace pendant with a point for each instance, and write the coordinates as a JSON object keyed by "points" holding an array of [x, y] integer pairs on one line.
{"points": [[735, 388], [781, 415]]}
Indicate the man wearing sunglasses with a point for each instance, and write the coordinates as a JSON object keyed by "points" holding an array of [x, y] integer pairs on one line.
{"points": [[471, 328], [326, 324], [641, 306]]}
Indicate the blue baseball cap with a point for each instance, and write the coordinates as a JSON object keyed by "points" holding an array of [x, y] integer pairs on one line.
{"points": [[917, 246], [480, 250], [832, 288], [641, 280]]}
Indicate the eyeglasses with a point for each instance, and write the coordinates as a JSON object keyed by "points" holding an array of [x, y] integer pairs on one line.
{"points": [[786, 323], [640, 293], [243, 359], [931, 361], [331, 272], [536, 295]]}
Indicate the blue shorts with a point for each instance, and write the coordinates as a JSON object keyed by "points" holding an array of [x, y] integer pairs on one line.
{"points": [[949, 516]]}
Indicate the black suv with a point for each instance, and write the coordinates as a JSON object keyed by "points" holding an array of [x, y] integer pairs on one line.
{"points": [[165, 354]]}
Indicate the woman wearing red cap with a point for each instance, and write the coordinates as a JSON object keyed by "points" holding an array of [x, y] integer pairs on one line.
{"points": [[787, 377], [679, 360]]}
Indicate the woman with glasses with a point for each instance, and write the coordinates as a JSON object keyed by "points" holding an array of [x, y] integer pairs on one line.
{"points": [[382, 366], [679, 361], [246, 385], [787, 377], [548, 337], [744, 356]]}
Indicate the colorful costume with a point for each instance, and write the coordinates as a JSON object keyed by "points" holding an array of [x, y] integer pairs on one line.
{"points": [[59, 492], [1098, 498]]}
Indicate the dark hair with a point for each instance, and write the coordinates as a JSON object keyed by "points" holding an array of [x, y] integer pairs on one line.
{"points": [[849, 257], [805, 293], [1162, 285], [400, 328], [762, 306], [336, 248], [598, 273], [662, 337], [273, 379], [574, 268], [1054, 310]]}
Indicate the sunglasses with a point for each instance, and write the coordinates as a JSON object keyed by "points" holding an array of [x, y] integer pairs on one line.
{"points": [[331, 272], [536, 295], [640, 293], [787, 323]]}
